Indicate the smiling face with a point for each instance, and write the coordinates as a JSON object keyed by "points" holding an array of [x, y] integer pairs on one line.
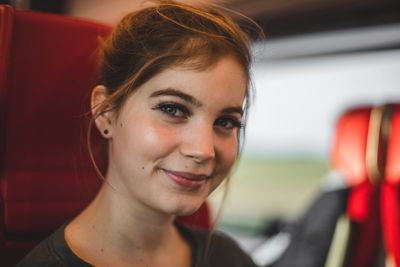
{"points": [[175, 138]]}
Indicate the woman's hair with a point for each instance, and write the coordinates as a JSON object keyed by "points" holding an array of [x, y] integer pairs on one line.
{"points": [[167, 34]]}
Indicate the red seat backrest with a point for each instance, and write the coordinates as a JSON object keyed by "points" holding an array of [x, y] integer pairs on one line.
{"points": [[390, 200], [47, 68], [46, 177]]}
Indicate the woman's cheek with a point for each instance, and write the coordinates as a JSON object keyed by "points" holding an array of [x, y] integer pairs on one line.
{"points": [[230, 153], [227, 158], [158, 139]]}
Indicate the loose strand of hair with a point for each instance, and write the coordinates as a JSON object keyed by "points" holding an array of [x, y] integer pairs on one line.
{"points": [[229, 27], [217, 217]]}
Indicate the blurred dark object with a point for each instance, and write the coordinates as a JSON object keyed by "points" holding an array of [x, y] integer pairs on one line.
{"points": [[278, 18], [312, 235], [282, 17], [49, 6], [307, 241], [276, 226]]}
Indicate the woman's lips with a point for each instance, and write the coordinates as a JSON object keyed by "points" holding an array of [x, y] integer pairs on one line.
{"points": [[185, 179]]}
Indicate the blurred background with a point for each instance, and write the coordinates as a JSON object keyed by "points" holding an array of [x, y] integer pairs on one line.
{"points": [[318, 59]]}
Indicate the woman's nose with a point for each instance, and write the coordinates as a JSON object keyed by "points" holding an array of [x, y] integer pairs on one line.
{"points": [[199, 144]]}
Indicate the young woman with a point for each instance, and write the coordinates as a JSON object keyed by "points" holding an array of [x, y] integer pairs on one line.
{"points": [[171, 100]]}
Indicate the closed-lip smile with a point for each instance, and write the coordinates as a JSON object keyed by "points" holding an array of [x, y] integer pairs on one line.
{"points": [[186, 179]]}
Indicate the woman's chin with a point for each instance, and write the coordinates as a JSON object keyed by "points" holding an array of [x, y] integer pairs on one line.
{"points": [[186, 211], [185, 208]]}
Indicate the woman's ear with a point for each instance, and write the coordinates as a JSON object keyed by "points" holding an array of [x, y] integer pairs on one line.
{"points": [[102, 116]]}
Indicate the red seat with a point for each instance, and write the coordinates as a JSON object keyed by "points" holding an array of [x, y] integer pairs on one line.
{"points": [[354, 140], [47, 68], [390, 200]]}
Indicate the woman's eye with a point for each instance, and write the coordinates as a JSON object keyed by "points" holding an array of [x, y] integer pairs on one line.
{"points": [[228, 123], [174, 110]]}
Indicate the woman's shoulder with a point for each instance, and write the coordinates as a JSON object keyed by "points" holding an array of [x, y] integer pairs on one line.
{"points": [[53, 251], [224, 251], [217, 248]]}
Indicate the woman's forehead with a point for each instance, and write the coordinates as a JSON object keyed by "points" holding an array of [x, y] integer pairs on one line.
{"points": [[222, 84]]}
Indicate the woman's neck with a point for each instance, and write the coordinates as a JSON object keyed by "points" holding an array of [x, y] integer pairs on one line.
{"points": [[126, 231]]}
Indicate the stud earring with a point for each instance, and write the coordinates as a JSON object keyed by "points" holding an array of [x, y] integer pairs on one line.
{"points": [[105, 132]]}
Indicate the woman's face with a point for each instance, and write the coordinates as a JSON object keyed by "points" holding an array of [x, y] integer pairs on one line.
{"points": [[176, 137]]}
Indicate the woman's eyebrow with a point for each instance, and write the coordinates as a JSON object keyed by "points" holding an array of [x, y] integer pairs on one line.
{"points": [[233, 110], [174, 92]]}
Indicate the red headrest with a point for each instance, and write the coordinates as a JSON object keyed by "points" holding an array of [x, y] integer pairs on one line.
{"points": [[350, 144]]}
